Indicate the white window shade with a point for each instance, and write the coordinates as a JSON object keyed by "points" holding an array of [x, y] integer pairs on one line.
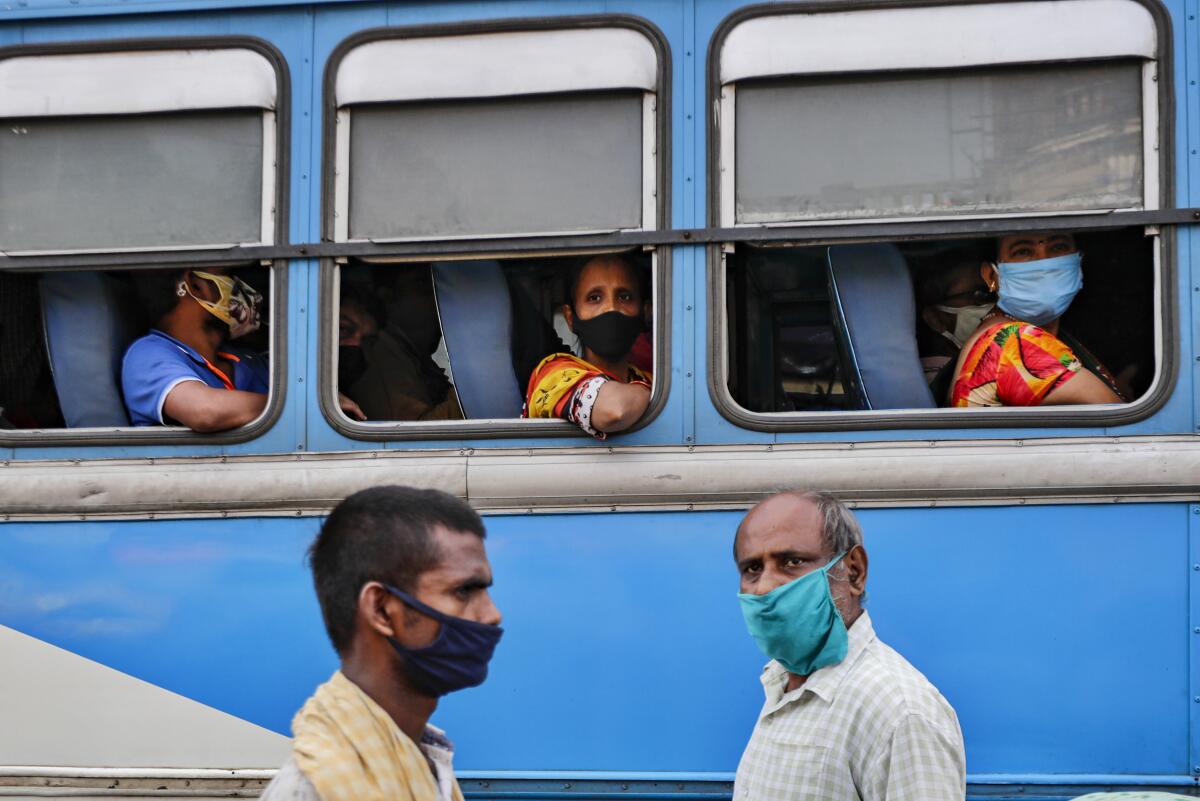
{"points": [[937, 37], [497, 64], [1030, 140], [136, 82], [132, 181]]}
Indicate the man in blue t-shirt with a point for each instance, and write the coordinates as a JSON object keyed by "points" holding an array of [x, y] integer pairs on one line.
{"points": [[184, 372]]}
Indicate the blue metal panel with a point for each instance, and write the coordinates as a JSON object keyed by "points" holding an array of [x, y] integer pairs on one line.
{"points": [[291, 33], [219, 611], [1178, 415], [1187, 91], [1194, 637], [1052, 632], [333, 24]]}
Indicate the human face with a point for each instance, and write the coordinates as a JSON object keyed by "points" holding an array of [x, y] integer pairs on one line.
{"points": [[606, 284], [1031, 247], [355, 325], [458, 586], [964, 287], [778, 542]]}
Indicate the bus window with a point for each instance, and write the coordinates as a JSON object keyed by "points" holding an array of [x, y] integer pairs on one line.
{"points": [[464, 340], [570, 163], [1022, 317], [1013, 139], [111, 182], [794, 347], [548, 132], [154, 149]]}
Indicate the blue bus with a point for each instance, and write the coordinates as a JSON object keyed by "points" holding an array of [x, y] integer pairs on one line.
{"points": [[795, 182]]}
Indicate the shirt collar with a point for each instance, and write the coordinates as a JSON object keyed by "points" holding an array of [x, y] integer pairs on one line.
{"points": [[823, 682], [436, 738], [193, 354], [187, 349]]}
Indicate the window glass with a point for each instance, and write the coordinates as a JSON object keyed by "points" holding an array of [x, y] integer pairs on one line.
{"points": [[511, 165], [1022, 139], [804, 337], [140, 181]]}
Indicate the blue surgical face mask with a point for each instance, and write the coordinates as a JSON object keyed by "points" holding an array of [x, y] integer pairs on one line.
{"points": [[456, 659], [798, 624], [1039, 291]]}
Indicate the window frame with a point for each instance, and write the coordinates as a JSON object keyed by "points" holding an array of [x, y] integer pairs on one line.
{"points": [[275, 199], [1158, 191], [656, 215]]}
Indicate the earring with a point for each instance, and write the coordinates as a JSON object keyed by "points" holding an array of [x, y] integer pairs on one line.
{"points": [[181, 290]]}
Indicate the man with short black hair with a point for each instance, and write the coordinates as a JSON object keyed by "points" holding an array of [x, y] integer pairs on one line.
{"points": [[846, 717], [402, 578]]}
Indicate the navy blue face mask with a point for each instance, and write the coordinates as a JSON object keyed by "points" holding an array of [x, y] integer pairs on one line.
{"points": [[456, 659]]}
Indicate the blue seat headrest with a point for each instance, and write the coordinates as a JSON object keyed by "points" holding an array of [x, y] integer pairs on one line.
{"points": [[476, 315], [875, 319], [89, 321]]}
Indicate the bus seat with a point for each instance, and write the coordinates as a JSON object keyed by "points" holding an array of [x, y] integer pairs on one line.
{"points": [[89, 319], [475, 310], [875, 321]]}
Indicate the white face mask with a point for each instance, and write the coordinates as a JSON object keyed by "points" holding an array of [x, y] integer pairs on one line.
{"points": [[966, 320]]}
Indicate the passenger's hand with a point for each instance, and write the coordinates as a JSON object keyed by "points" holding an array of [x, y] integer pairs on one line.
{"points": [[350, 408]]}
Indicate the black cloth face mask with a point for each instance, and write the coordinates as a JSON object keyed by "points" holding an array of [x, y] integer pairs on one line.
{"points": [[352, 363], [609, 335]]}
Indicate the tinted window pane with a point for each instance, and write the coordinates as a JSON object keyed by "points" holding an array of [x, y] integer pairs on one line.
{"points": [[496, 166], [138, 181], [1020, 139]]}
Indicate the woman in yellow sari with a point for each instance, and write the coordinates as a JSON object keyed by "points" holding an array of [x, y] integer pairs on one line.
{"points": [[602, 393]]}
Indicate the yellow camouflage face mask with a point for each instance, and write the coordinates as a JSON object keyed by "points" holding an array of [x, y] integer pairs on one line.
{"points": [[237, 307]]}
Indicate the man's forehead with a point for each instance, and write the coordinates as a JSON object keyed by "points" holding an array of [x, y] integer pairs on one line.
{"points": [[608, 271], [460, 552], [780, 523], [1012, 240]]}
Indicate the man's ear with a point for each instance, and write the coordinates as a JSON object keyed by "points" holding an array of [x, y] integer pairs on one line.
{"points": [[375, 608], [569, 316], [856, 570]]}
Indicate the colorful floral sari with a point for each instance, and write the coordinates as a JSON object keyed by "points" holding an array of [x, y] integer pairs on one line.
{"points": [[1013, 364], [566, 387]]}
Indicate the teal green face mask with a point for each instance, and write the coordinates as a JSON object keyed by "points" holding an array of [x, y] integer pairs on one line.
{"points": [[797, 624]]}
